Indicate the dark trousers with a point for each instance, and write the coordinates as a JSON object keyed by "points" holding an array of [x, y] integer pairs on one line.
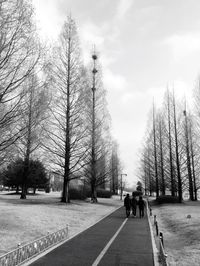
{"points": [[128, 212], [134, 210], [141, 210]]}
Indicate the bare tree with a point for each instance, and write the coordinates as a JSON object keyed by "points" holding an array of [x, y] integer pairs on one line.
{"points": [[188, 156], [31, 123], [155, 153], [18, 58], [170, 145], [115, 167], [162, 170], [67, 133], [177, 152]]}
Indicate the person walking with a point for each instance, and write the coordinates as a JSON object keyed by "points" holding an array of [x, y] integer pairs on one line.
{"points": [[141, 205], [134, 205], [127, 205]]}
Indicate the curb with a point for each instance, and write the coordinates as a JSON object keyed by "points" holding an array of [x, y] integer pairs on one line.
{"points": [[155, 250]]}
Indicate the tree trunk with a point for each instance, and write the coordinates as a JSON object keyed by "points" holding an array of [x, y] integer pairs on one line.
{"points": [[65, 194], [93, 193]]}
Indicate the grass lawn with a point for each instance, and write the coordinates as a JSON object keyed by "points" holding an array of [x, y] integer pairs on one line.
{"points": [[181, 234], [22, 221]]}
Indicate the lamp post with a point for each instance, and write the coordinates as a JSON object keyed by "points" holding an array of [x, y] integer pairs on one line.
{"points": [[121, 188]]}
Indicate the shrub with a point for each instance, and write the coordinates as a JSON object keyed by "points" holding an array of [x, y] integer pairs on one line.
{"points": [[77, 194], [101, 193], [167, 199], [82, 194]]}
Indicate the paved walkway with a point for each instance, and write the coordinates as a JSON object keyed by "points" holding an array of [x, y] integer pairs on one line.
{"points": [[114, 241]]}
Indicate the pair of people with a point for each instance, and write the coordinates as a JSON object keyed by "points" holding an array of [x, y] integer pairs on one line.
{"points": [[131, 203]]}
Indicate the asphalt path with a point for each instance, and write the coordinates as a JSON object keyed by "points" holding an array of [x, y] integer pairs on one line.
{"points": [[114, 241]]}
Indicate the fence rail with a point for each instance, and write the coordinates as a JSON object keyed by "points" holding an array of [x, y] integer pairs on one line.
{"points": [[28, 251], [162, 255]]}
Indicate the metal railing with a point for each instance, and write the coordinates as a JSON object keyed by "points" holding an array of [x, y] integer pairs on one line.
{"points": [[28, 251], [162, 254]]}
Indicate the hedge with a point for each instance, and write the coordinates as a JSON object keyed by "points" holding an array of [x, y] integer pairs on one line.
{"points": [[167, 199]]}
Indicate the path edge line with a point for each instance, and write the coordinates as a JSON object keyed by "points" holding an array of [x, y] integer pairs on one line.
{"points": [[103, 252]]}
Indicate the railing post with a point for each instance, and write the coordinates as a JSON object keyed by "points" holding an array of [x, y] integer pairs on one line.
{"points": [[18, 246], [156, 223], [161, 238], [154, 219]]}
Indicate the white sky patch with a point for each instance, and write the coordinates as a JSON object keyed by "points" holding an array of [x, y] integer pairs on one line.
{"points": [[90, 35], [127, 97], [156, 95], [123, 7], [184, 45], [49, 23], [113, 81]]}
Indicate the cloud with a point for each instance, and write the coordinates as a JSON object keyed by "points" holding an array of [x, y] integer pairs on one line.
{"points": [[183, 45], [123, 7], [48, 20], [114, 82]]}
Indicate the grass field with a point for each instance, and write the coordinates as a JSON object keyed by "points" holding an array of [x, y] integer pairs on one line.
{"points": [[181, 234], [22, 221]]}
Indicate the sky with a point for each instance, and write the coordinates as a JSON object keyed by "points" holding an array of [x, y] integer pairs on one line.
{"points": [[143, 46]]}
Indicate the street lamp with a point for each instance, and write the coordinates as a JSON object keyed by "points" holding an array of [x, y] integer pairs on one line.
{"points": [[121, 188]]}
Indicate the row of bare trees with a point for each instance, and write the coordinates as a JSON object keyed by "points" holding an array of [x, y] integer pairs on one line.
{"points": [[170, 154], [47, 106]]}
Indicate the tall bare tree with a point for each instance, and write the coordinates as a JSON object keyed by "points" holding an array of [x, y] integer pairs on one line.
{"points": [[67, 133], [155, 153], [172, 176], [177, 152], [31, 124], [162, 170], [188, 156], [115, 168], [18, 58]]}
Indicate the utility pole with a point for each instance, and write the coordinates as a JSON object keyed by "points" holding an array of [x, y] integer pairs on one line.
{"points": [[93, 161]]}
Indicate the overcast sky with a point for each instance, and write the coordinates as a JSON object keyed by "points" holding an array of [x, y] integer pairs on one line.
{"points": [[143, 45]]}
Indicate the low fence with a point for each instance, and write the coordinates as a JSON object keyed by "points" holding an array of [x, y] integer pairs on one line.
{"points": [[162, 255], [30, 250]]}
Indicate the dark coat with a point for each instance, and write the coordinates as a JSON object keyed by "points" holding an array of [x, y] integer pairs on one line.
{"points": [[141, 203], [127, 202], [134, 202]]}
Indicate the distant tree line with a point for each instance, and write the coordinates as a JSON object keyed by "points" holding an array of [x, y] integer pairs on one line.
{"points": [[171, 150], [47, 107]]}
